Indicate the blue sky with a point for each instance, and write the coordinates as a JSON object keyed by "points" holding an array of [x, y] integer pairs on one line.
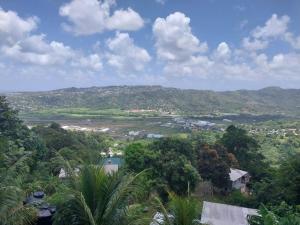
{"points": [[207, 44]]}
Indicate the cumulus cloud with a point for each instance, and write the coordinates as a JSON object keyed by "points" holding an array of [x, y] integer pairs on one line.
{"points": [[125, 20], [255, 44], [174, 38], [276, 27], [292, 40], [223, 51], [14, 28], [178, 47], [94, 16], [182, 54], [21, 45], [125, 56]]}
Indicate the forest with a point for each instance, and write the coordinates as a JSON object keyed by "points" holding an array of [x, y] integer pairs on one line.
{"points": [[163, 175]]}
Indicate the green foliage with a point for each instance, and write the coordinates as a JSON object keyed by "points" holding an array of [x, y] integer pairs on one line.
{"points": [[240, 199], [12, 210], [30, 160], [180, 211], [288, 179], [284, 184], [139, 157], [169, 161], [213, 163], [96, 198], [246, 151], [282, 214]]}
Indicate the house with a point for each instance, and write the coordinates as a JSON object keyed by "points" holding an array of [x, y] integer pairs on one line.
{"points": [[112, 164], [63, 174], [155, 136], [159, 218], [222, 214], [239, 179]]}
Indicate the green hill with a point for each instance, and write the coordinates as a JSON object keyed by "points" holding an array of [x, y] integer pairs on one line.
{"points": [[272, 100]]}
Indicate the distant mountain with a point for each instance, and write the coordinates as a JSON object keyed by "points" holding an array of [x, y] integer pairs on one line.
{"points": [[271, 100]]}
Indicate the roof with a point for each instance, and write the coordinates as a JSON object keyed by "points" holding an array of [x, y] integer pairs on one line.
{"points": [[222, 214], [113, 161], [236, 174]]}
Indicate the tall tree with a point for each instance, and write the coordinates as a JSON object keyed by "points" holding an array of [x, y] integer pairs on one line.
{"points": [[246, 150], [213, 167]]}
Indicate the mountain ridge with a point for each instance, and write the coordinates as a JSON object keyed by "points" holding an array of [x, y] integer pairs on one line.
{"points": [[269, 100]]}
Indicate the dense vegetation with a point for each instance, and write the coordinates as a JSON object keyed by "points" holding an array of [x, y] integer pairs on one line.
{"points": [[160, 175], [194, 102]]}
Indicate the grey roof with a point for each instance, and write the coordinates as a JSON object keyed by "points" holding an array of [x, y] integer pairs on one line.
{"points": [[222, 214], [236, 174]]}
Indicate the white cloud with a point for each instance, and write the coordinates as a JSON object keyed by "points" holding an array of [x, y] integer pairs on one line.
{"points": [[198, 66], [14, 28], [178, 48], [161, 1], [174, 38], [274, 27], [125, 56], [125, 20], [88, 17], [292, 40], [21, 45], [223, 51], [255, 44], [181, 55]]}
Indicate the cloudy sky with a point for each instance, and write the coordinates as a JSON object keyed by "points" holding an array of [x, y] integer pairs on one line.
{"points": [[199, 44]]}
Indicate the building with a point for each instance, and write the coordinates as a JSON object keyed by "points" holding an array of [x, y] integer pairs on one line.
{"points": [[239, 179], [63, 174], [222, 214], [112, 164], [159, 218]]}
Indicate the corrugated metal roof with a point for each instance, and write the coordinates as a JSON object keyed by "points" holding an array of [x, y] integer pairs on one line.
{"points": [[236, 174], [222, 214]]}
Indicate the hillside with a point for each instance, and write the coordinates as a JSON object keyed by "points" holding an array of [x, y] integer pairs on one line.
{"points": [[272, 100]]}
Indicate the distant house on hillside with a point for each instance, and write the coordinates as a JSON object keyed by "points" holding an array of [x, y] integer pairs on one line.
{"points": [[63, 174], [112, 164], [239, 179], [222, 214]]}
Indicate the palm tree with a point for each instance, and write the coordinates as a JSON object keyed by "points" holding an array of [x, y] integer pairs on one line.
{"points": [[268, 217], [97, 198], [182, 211], [12, 209]]}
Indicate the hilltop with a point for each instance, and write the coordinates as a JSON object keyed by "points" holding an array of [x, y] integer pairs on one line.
{"points": [[271, 100]]}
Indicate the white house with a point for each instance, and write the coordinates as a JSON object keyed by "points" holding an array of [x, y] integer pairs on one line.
{"points": [[109, 167], [239, 179], [63, 174], [222, 214]]}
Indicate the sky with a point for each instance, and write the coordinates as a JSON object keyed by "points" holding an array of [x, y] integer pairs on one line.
{"points": [[190, 44]]}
